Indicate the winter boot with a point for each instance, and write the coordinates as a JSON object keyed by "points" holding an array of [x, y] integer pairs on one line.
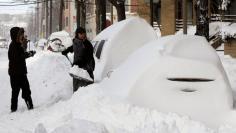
{"points": [[29, 103], [14, 104]]}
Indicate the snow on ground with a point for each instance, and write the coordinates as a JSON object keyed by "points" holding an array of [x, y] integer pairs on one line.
{"points": [[90, 109], [214, 28], [229, 31]]}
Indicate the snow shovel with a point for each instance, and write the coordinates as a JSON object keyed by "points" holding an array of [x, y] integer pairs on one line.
{"points": [[69, 60]]}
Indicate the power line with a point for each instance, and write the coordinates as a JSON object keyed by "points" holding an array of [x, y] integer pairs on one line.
{"points": [[38, 2]]}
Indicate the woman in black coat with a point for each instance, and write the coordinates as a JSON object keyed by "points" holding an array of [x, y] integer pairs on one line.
{"points": [[83, 56], [17, 68]]}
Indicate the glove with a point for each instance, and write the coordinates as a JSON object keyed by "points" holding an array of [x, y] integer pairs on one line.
{"points": [[64, 53], [32, 53]]}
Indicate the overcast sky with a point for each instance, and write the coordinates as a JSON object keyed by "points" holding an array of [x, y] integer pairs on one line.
{"points": [[20, 9]]}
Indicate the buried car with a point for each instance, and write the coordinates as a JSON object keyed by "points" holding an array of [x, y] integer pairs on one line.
{"points": [[59, 41], [181, 74], [41, 43], [3, 43], [114, 44]]}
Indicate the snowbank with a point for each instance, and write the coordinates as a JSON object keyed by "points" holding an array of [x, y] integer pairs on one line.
{"points": [[214, 28], [105, 113], [117, 42], [229, 31]]}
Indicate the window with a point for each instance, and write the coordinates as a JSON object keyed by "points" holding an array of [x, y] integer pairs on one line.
{"points": [[98, 46], [67, 21]]}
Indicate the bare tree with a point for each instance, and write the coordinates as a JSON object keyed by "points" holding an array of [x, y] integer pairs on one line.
{"points": [[61, 15], [100, 15], [81, 12], [120, 7], [201, 8]]}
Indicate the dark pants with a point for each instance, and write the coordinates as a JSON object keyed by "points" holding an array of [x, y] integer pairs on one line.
{"points": [[20, 82], [79, 83]]}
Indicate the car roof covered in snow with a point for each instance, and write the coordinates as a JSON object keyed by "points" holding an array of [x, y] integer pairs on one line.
{"points": [[63, 36]]}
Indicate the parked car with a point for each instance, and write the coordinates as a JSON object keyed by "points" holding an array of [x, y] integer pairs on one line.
{"points": [[3, 43], [181, 74], [59, 41], [41, 44]]}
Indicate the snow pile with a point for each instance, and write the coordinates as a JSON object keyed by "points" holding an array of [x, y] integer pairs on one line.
{"points": [[224, 4], [191, 31], [107, 114], [229, 31], [214, 28], [229, 65], [63, 36], [81, 126], [53, 84], [114, 44]]}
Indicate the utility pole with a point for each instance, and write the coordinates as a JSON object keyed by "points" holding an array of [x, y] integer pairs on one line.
{"points": [[46, 18], [37, 21], [151, 12], [103, 14], [98, 8], [61, 15], [50, 30], [202, 18], [184, 2], [77, 13], [111, 14], [209, 10], [83, 13]]}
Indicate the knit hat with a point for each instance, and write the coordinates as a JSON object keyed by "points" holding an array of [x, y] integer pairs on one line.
{"points": [[80, 30], [15, 31]]}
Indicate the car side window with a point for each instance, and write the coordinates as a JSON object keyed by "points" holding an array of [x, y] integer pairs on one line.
{"points": [[95, 46], [98, 46], [99, 49]]}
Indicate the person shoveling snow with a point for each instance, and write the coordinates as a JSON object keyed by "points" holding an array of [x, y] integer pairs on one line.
{"points": [[83, 58]]}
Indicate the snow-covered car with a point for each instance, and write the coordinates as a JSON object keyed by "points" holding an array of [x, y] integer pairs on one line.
{"points": [[114, 44], [181, 74], [59, 41], [3, 43], [41, 43]]}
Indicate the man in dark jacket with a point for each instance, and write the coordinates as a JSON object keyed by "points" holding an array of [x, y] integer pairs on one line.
{"points": [[17, 68], [83, 56]]}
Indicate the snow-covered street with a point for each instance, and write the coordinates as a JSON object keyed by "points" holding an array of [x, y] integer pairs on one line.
{"points": [[118, 66]]}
